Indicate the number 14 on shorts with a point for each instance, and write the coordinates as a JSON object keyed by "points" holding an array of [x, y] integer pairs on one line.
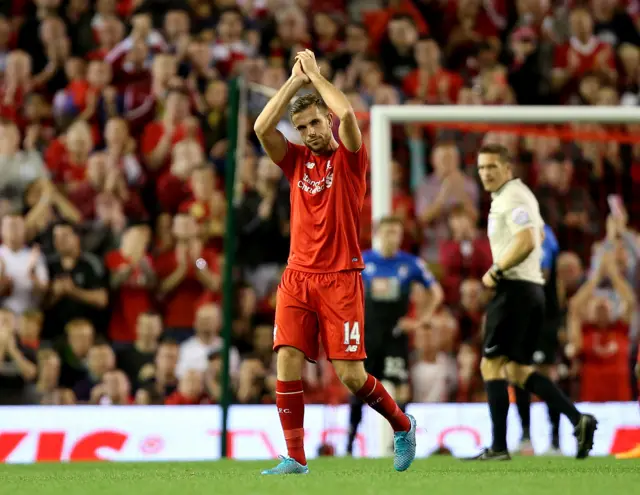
{"points": [[351, 336]]}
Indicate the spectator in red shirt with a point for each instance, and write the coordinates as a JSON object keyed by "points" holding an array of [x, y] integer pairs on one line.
{"points": [[377, 21], [465, 255], [190, 390], [67, 156], [172, 189], [143, 94], [467, 24], [185, 274], [601, 337], [582, 54], [132, 278], [430, 83], [207, 206], [160, 135]]}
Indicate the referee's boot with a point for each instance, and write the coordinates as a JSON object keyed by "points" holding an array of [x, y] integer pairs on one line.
{"points": [[584, 432], [490, 455]]}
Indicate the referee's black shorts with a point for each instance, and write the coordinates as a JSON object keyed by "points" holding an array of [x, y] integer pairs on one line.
{"points": [[514, 320]]}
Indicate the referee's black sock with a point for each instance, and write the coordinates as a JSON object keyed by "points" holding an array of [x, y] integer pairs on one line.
{"points": [[523, 401], [498, 397], [549, 392], [355, 417], [554, 419]]}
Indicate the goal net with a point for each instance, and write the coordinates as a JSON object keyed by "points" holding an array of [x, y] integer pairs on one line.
{"points": [[579, 161]]}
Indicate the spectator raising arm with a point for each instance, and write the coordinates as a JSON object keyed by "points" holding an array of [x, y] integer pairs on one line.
{"points": [[617, 229], [272, 139], [621, 286], [178, 275], [156, 158], [336, 101]]}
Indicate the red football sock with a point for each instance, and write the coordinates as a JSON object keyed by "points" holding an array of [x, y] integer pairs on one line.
{"points": [[290, 403], [374, 394]]}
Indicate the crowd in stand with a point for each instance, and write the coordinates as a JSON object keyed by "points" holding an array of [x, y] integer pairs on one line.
{"points": [[113, 145]]}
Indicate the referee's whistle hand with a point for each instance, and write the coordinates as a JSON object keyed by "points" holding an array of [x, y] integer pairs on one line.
{"points": [[488, 280]]}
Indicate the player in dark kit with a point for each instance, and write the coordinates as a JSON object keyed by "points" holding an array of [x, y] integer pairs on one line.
{"points": [[545, 355], [389, 278]]}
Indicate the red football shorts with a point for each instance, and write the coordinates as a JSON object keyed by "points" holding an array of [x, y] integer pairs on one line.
{"points": [[321, 307]]}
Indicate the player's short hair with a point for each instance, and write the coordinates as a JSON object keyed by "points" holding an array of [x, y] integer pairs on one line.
{"points": [[307, 101], [496, 149], [390, 220]]}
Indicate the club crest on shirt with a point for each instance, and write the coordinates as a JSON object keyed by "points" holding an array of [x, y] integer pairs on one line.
{"points": [[309, 165], [329, 179]]}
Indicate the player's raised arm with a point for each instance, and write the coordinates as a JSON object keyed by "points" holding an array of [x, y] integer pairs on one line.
{"points": [[271, 138], [335, 100]]}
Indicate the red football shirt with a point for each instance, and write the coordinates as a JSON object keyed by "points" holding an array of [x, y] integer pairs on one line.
{"points": [[128, 302], [327, 195]]}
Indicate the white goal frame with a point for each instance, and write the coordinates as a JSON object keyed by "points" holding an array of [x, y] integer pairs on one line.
{"points": [[382, 116]]}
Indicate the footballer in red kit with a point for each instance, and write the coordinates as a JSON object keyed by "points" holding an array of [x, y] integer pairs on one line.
{"points": [[321, 295]]}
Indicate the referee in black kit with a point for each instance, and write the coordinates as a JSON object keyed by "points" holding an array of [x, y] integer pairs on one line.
{"points": [[515, 315]]}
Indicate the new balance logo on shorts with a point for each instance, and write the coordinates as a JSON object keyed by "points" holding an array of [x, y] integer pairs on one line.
{"points": [[351, 348]]}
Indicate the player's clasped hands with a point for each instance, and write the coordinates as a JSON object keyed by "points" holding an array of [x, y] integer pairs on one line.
{"points": [[306, 66]]}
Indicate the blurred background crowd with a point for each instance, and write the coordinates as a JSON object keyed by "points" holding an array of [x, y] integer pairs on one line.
{"points": [[113, 143]]}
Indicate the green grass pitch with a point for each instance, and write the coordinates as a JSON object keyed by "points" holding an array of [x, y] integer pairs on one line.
{"points": [[330, 476]]}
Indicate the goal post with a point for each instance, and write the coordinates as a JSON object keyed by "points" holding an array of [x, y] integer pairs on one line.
{"points": [[383, 116]]}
